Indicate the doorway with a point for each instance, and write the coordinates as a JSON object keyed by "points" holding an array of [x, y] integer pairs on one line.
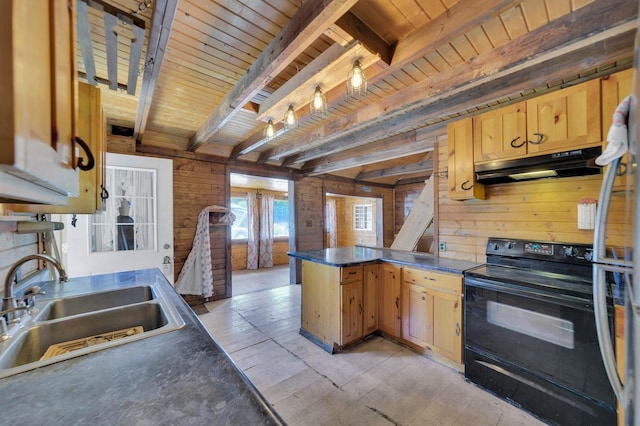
{"points": [[259, 234], [352, 220]]}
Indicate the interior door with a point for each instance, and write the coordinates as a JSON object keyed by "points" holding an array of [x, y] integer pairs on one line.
{"points": [[135, 231]]}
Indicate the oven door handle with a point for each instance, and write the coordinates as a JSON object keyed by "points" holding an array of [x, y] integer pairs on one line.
{"points": [[562, 299]]}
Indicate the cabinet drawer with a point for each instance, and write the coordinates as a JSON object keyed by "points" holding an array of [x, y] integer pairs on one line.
{"points": [[433, 279], [351, 273]]}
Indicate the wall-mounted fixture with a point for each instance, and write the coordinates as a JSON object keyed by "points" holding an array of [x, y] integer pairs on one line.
{"points": [[318, 103], [357, 82], [290, 118], [269, 130]]}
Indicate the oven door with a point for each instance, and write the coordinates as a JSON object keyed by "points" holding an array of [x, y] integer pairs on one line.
{"points": [[539, 348]]}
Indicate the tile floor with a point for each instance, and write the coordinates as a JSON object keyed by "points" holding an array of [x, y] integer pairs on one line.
{"points": [[376, 383]]}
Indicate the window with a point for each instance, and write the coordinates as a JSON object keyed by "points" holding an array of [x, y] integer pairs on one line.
{"points": [[280, 218], [362, 217], [239, 227], [129, 221]]}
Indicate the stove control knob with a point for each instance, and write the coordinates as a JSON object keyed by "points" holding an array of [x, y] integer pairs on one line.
{"points": [[588, 255], [510, 245], [569, 251], [496, 247]]}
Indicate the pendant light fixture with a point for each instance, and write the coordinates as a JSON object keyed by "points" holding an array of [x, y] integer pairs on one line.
{"points": [[269, 130], [290, 118], [356, 82], [318, 103]]}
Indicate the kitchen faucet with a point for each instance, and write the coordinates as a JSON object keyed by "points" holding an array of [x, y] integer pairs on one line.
{"points": [[8, 301]]}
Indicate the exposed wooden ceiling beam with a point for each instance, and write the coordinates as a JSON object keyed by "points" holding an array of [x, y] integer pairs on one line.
{"points": [[603, 52], [134, 58], [421, 166], [397, 146], [84, 39], [309, 22], [349, 27], [558, 38], [111, 39], [163, 13]]}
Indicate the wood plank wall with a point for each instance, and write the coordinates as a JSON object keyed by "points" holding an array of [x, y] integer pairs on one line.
{"points": [[347, 236], [196, 185], [239, 254], [404, 198], [543, 210]]}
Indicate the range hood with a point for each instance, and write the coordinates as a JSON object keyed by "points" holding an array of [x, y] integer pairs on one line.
{"points": [[577, 162]]}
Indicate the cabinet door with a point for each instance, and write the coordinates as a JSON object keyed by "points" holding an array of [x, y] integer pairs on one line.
{"points": [[417, 315], [461, 174], [351, 311], [500, 133], [38, 112], [92, 129], [615, 88], [565, 119], [447, 325], [370, 299], [389, 300]]}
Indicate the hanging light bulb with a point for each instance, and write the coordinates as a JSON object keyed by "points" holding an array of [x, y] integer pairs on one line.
{"points": [[269, 130], [356, 82], [290, 119], [318, 104]]}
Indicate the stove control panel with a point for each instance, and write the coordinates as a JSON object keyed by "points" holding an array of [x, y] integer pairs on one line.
{"points": [[542, 250]]}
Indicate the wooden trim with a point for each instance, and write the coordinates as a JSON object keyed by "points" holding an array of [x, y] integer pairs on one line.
{"points": [[134, 59], [425, 165], [111, 39], [84, 38]]}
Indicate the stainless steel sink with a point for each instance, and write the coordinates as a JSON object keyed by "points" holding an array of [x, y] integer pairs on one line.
{"points": [[69, 306], [82, 317]]}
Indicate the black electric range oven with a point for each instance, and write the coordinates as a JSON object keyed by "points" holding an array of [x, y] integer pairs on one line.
{"points": [[530, 333]]}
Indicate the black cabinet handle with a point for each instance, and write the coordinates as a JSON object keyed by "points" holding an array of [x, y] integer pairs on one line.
{"points": [[514, 145], [90, 162], [465, 187], [104, 194], [397, 302], [539, 141]]}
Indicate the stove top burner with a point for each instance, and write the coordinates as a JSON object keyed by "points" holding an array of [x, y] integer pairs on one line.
{"points": [[549, 267]]}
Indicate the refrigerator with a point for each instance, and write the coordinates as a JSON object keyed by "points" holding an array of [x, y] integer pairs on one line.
{"points": [[618, 267]]}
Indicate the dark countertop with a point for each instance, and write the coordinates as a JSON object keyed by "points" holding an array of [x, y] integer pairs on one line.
{"points": [[360, 255], [178, 377]]}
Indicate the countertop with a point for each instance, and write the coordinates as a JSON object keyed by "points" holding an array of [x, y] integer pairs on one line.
{"points": [[179, 377], [360, 255]]}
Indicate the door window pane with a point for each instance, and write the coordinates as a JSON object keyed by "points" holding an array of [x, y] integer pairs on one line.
{"points": [[129, 220]]}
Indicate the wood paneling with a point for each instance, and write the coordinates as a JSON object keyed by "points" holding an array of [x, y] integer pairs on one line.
{"points": [[544, 209], [347, 236], [239, 254]]}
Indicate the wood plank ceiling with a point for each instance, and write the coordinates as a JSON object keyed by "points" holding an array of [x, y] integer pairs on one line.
{"points": [[208, 65]]}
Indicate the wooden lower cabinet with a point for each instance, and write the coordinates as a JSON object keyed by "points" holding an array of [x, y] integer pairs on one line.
{"points": [[432, 311], [332, 304], [389, 299], [421, 307], [417, 314], [370, 284]]}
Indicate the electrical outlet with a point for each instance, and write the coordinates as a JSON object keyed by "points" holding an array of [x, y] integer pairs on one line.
{"points": [[65, 248], [442, 246]]}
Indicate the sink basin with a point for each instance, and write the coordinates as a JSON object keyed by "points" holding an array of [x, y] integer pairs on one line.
{"points": [[68, 327], [69, 306], [30, 346]]}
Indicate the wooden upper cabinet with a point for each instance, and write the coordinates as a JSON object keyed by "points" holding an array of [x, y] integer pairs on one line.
{"points": [[564, 120], [461, 173], [91, 128], [500, 134], [615, 88], [37, 113]]}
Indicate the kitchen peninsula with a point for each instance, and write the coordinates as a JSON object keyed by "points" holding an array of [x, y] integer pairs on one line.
{"points": [[181, 376], [349, 293]]}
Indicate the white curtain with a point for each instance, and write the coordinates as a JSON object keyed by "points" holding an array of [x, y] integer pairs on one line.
{"points": [[253, 225], [266, 231], [331, 227]]}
